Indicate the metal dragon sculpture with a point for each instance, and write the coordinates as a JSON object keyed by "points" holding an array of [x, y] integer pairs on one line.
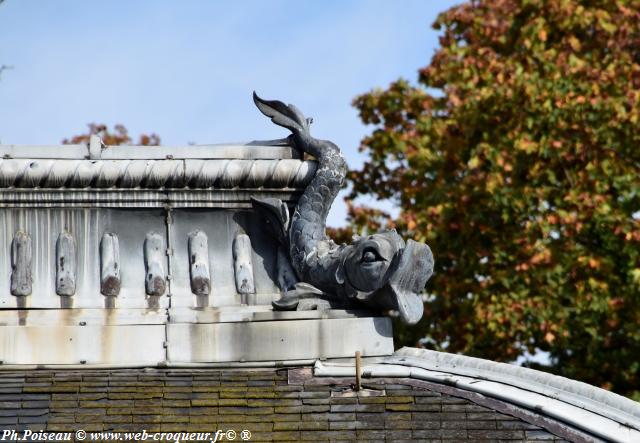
{"points": [[380, 271]]}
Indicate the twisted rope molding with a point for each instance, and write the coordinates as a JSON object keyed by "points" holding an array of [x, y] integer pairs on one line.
{"points": [[155, 174]]}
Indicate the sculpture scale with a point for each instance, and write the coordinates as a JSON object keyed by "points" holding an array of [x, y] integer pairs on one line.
{"points": [[380, 271]]}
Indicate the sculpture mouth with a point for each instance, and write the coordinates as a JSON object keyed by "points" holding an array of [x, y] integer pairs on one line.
{"points": [[372, 250]]}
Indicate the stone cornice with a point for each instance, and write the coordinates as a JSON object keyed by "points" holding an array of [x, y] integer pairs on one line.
{"points": [[176, 174]]}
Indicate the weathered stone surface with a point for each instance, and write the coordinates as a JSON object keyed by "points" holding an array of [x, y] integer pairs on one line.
{"points": [[198, 247], [110, 282], [242, 264], [154, 253], [65, 264], [21, 264]]}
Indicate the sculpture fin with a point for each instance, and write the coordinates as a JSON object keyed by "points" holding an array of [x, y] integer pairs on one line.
{"points": [[291, 298], [305, 290], [287, 116], [277, 215]]}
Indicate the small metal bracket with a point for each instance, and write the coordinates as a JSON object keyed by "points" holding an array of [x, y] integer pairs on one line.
{"points": [[358, 385]]}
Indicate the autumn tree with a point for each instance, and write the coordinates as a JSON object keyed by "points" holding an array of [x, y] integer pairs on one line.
{"points": [[516, 158], [117, 136]]}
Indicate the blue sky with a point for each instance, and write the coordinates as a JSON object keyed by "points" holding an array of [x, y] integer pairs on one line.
{"points": [[186, 69]]}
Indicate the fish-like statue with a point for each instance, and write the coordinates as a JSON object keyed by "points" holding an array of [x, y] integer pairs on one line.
{"points": [[380, 271]]}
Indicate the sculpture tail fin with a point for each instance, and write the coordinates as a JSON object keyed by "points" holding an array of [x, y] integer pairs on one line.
{"points": [[287, 116]]}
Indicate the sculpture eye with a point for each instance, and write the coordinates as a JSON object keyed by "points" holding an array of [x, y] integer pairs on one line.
{"points": [[370, 255]]}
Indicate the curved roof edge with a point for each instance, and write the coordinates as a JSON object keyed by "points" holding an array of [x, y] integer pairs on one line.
{"points": [[599, 412], [580, 394]]}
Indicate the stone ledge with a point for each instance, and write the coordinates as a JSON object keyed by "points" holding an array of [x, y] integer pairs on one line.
{"points": [[279, 340], [139, 345]]}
